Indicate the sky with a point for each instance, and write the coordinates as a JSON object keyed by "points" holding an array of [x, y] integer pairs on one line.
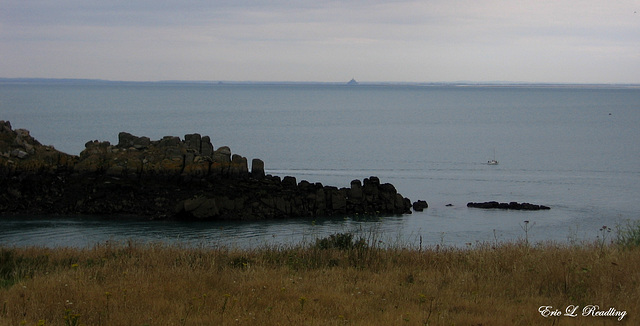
{"points": [[556, 41]]}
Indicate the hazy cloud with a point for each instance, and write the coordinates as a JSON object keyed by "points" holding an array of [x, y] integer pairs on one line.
{"points": [[437, 40]]}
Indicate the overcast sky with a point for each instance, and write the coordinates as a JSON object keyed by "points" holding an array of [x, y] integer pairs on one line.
{"points": [[583, 41]]}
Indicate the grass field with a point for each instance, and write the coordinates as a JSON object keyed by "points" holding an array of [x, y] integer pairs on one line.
{"points": [[337, 280]]}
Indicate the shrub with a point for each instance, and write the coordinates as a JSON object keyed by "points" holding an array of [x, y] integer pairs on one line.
{"points": [[629, 235], [341, 241]]}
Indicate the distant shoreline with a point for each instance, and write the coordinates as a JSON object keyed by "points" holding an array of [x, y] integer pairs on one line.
{"points": [[78, 82]]}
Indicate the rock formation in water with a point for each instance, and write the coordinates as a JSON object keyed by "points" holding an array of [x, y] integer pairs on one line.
{"points": [[169, 178], [511, 205], [420, 205]]}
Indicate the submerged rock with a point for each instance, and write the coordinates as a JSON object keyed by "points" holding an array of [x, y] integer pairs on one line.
{"points": [[511, 205]]}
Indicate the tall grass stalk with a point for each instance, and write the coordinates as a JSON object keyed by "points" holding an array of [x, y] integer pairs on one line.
{"points": [[628, 235]]}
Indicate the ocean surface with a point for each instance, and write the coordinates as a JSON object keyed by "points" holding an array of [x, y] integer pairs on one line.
{"points": [[575, 149]]}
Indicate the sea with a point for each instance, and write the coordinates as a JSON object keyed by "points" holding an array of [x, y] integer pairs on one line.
{"points": [[574, 148]]}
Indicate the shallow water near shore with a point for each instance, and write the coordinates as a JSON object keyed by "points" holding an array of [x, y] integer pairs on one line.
{"points": [[573, 149], [435, 227]]}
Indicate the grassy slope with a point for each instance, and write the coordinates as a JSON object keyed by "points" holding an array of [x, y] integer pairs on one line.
{"points": [[133, 284]]}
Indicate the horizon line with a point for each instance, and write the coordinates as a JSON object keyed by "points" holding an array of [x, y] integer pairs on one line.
{"points": [[275, 82]]}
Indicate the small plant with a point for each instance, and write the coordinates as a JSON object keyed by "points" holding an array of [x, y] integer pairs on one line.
{"points": [[604, 230], [302, 301], [71, 319], [241, 262], [526, 227], [107, 296], [10, 267], [224, 303], [422, 298]]}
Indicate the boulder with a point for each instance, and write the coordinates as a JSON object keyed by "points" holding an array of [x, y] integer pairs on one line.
{"points": [[169, 141], [370, 186], [199, 207], [356, 190], [420, 205], [257, 168], [5, 127], [238, 166], [222, 155], [193, 142], [289, 182], [206, 148], [19, 153], [338, 200], [127, 140]]}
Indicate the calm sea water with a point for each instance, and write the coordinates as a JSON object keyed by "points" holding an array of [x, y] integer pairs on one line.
{"points": [[576, 150]]}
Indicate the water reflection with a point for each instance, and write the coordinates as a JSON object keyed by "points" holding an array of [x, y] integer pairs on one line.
{"points": [[89, 230], [451, 226]]}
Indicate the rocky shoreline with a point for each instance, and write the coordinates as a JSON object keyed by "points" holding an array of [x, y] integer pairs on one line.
{"points": [[170, 178]]}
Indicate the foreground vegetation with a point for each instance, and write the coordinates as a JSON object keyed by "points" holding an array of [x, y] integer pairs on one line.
{"points": [[336, 281]]}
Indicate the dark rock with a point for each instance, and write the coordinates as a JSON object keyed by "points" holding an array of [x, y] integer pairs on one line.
{"points": [[169, 141], [200, 207], [126, 140], [206, 148], [420, 205], [5, 127], [356, 190], [289, 182], [370, 187], [388, 188], [19, 153], [338, 200], [511, 205], [193, 142], [257, 168], [238, 166], [222, 155]]}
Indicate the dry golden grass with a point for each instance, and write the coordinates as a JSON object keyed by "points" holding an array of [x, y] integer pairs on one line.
{"points": [[131, 284]]}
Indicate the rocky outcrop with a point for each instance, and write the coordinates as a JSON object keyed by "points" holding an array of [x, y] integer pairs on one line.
{"points": [[275, 198], [169, 178], [511, 205], [170, 156], [19, 152]]}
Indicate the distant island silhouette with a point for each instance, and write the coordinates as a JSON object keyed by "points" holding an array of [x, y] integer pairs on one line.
{"points": [[74, 82]]}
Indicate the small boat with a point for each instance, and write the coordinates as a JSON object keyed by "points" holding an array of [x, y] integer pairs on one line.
{"points": [[493, 162]]}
